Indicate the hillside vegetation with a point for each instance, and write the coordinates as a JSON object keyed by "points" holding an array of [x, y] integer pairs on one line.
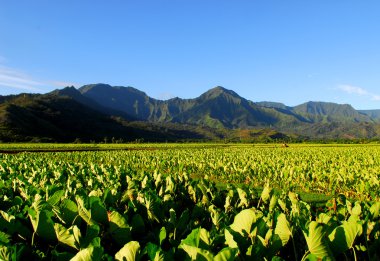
{"points": [[100, 112]]}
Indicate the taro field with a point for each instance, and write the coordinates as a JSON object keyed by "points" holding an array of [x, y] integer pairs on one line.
{"points": [[189, 202]]}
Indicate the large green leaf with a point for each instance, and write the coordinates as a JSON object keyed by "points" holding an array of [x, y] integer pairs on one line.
{"points": [[92, 233], [283, 229], [243, 198], [196, 253], [375, 210], [98, 210], [343, 237], [199, 237], [4, 238], [66, 236], [226, 254], [43, 225], [13, 253], [265, 194], [84, 213], [216, 215], [119, 228], [316, 241], [240, 228], [129, 252], [154, 252], [91, 253], [56, 197], [137, 225], [243, 221], [68, 211]]}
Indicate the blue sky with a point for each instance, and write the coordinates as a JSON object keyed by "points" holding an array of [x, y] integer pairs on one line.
{"points": [[286, 51]]}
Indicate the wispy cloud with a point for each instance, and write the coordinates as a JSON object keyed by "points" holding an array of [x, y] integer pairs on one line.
{"points": [[16, 79], [12, 78], [358, 91]]}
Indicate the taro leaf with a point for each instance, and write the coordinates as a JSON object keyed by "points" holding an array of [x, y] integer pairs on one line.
{"points": [[119, 228], [375, 210], [4, 238], [316, 241], [293, 197], [77, 234], [240, 229], [153, 208], [12, 226], [273, 202], [17, 201], [54, 200], [170, 184], [66, 236], [129, 252], [282, 229], [108, 198], [243, 221], [243, 198], [84, 213], [199, 237], [196, 253], [98, 211], [324, 218], [173, 217], [154, 252], [14, 253], [5, 253], [91, 253], [43, 225], [274, 246], [137, 225], [343, 237], [226, 254], [216, 215], [356, 210], [162, 235], [182, 223], [311, 257], [92, 233], [68, 211], [265, 194]]}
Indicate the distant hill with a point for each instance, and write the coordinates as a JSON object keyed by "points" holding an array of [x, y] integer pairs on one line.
{"points": [[50, 118], [100, 111], [330, 112], [217, 107], [373, 114]]}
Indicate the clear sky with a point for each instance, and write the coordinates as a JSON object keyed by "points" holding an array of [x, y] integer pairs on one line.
{"points": [[289, 51]]}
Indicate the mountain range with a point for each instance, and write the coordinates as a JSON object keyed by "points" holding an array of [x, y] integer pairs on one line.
{"points": [[100, 112]]}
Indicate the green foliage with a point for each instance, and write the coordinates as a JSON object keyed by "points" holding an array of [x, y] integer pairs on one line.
{"points": [[192, 203]]}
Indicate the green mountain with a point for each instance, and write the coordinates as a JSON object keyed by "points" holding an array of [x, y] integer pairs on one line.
{"points": [[58, 117], [373, 114], [217, 107], [100, 111], [276, 105], [330, 112]]}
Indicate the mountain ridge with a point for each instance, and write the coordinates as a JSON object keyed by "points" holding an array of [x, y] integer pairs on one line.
{"points": [[217, 113]]}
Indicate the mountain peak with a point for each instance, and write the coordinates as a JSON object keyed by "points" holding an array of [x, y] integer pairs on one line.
{"points": [[218, 91], [67, 91], [94, 87]]}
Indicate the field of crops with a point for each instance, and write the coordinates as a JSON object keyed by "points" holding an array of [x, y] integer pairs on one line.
{"points": [[195, 202]]}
